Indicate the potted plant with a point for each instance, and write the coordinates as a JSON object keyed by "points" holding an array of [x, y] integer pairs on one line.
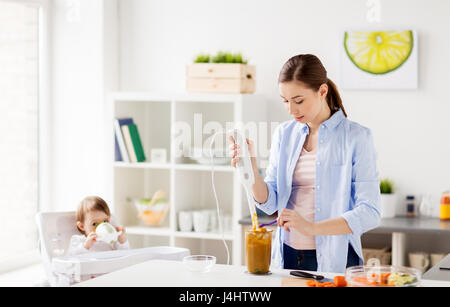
{"points": [[388, 198], [224, 72]]}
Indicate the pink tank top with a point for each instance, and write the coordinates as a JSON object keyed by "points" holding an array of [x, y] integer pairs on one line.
{"points": [[302, 199]]}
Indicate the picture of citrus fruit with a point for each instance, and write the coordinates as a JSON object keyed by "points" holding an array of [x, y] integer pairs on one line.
{"points": [[379, 52]]}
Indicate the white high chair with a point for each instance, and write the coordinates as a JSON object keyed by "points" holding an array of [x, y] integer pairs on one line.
{"points": [[55, 232]]}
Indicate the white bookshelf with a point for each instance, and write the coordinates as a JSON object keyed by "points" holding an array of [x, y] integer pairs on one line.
{"points": [[187, 185]]}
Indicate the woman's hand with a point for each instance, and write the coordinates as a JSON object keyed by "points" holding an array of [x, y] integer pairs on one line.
{"points": [[259, 189], [291, 219], [122, 238], [234, 151], [91, 239]]}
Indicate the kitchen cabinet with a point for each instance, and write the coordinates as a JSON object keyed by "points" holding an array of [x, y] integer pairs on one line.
{"points": [[403, 229]]}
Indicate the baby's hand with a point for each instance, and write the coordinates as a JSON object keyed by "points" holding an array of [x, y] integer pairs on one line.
{"points": [[122, 238], [91, 239]]}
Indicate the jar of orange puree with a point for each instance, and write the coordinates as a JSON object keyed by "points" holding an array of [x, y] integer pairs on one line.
{"points": [[258, 247]]}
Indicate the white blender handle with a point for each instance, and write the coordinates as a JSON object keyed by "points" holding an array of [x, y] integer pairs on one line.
{"points": [[244, 165], [246, 175]]}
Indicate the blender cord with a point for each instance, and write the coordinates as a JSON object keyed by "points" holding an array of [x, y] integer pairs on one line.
{"points": [[215, 196]]}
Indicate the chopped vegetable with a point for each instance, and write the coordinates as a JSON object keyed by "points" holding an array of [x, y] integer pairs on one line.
{"points": [[386, 280], [398, 279], [327, 284], [319, 284], [340, 281]]}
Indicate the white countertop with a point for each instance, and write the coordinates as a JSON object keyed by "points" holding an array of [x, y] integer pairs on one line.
{"points": [[165, 273]]}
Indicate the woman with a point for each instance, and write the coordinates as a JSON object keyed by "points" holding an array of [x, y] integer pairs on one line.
{"points": [[322, 176]]}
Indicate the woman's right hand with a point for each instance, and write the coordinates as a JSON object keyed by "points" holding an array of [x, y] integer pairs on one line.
{"points": [[259, 189], [234, 151]]}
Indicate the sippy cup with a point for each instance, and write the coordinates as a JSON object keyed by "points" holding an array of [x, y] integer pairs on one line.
{"points": [[107, 233]]}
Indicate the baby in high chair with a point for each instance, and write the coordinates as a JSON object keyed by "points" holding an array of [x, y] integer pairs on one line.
{"points": [[91, 212]]}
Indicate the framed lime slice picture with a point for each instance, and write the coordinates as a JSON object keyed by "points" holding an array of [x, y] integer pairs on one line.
{"points": [[379, 52], [379, 59]]}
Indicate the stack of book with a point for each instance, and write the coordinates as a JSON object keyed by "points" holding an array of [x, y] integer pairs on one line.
{"points": [[128, 145]]}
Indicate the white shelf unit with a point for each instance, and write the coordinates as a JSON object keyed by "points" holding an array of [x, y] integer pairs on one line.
{"points": [[187, 185]]}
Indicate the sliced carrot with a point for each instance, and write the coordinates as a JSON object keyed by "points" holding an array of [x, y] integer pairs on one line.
{"points": [[340, 281], [384, 278], [319, 284], [330, 286], [361, 279], [311, 283]]}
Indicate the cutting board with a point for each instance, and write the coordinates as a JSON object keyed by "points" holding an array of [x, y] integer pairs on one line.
{"points": [[294, 282]]}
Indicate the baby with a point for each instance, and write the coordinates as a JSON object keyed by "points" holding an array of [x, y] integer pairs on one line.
{"points": [[91, 212]]}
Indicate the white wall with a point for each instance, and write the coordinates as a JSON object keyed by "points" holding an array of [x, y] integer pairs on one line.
{"points": [[159, 37], [84, 67]]}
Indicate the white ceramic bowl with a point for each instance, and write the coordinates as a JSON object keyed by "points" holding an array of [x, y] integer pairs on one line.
{"points": [[199, 263], [203, 156], [216, 161]]}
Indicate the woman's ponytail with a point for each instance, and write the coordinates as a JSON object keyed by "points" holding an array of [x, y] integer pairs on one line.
{"points": [[334, 98]]}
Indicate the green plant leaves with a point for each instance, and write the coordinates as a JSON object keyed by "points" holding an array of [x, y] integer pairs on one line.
{"points": [[221, 57], [386, 186], [202, 58]]}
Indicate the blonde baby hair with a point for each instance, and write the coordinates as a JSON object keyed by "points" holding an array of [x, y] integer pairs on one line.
{"points": [[88, 204]]}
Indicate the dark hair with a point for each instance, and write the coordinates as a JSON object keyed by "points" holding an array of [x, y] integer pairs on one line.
{"points": [[308, 69], [91, 203]]}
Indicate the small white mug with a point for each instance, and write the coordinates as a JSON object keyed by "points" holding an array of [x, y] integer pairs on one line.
{"points": [[201, 220], [185, 221], [419, 260], [227, 223], [436, 258], [212, 220]]}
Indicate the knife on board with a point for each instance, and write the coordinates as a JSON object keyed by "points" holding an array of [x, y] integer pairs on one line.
{"points": [[307, 275]]}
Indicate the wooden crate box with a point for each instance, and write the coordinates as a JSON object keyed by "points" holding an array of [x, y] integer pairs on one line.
{"points": [[220, 78]]}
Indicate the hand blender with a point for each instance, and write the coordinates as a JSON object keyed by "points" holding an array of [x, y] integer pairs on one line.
{"points": [[246, 175]]}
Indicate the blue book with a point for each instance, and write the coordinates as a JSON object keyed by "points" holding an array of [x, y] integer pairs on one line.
{"points": [[120, 147], [117, 154]]}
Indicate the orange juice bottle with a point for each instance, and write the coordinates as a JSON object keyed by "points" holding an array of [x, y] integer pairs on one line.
{"points": [[445, 206]]}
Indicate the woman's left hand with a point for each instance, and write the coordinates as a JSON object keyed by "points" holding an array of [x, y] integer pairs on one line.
{"points": [[291, 219]]}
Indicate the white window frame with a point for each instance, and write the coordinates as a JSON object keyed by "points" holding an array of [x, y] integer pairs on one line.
{"points": [[44, 126]]}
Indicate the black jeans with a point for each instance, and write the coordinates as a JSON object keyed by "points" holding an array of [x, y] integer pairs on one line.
{"points": [[306, 260]]}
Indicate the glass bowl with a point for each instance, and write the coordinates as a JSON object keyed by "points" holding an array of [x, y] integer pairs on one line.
{"points": [[382, 276], [199, 263]]}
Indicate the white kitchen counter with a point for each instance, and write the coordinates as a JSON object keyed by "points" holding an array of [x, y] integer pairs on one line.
{"points": [[164, 273]]}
